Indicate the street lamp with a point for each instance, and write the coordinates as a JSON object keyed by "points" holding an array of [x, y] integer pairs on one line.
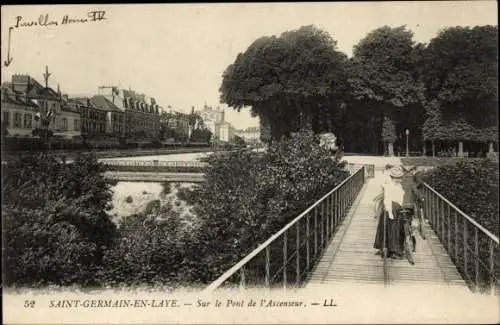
{"points": [[407, 134]]}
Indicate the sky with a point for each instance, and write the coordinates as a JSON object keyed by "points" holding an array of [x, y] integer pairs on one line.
{"points": [[177, 53]]}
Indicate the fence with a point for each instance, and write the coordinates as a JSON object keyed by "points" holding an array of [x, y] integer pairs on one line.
{"points": [[153, 163], [286, 257], [369, 169], [473, 249]]}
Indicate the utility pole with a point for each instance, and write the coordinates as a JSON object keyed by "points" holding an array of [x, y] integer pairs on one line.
{"points": [[46, 76]]}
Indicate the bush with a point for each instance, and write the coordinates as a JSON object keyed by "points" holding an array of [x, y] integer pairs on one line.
{"points": [[56, 226], [248, 197], [473, 187], [152, 250], [129, 199]]}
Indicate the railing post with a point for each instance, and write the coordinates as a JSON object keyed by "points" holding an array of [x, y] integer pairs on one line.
{"points": [[476, 258], [336, 216], [431, 210], [308, 239], [285, 242], [297, 253], [492, 267], [268, 262], [465, 248], [242, 278], [327, 218], [448, 218], [315, 232], [337, 205], [322, 225], [456, 237], [442, 221], [332, 214]]}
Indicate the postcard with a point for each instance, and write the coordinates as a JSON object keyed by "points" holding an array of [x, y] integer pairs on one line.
{"points": [[250, 163]]}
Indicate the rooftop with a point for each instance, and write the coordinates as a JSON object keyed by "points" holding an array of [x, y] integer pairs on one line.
{"points": [[102, 103]]}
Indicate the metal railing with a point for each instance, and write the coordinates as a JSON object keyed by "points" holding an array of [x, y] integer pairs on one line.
{"points": [[285, 259], [153, 163], [369, 169], [473, 249]]}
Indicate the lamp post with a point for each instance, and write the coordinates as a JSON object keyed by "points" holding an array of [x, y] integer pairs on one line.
{"points": [[407, 134]]}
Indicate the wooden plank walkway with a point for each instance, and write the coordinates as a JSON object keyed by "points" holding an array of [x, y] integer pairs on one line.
{"points": [[350, 257]]}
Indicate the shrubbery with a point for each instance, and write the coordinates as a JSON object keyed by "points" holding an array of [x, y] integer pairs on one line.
{"points": [[248, 197], [472, 186], [152, 250], [57, 230]]}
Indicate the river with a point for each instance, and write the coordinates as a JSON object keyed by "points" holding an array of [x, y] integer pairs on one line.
{"points": [[133, 197]]}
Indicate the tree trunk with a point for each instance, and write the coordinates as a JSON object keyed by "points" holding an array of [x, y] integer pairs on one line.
{"points": [[491, 149], [391, 149], [460, 149], [433, 149], [423, 149]]}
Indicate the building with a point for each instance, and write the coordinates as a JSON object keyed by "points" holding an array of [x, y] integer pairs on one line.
{"points": [[112, 120], [93, 120], [29, 103], [251, 135], [70, 119], [141, 113], [213, 120], [18, 113], [226, 131]]}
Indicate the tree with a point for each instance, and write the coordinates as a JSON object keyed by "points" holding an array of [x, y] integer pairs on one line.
{"points": [[239, 142], [56, 224], [45, 115], [201, 135], [461, 80], [461, 65], [384, 82], [291, 81]]}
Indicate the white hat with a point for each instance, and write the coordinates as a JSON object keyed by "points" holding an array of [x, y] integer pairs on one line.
{"points": [[396, 172]]}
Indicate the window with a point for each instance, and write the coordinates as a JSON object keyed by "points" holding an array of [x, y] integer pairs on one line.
{"points": [[17, 120], [76, 126], [6, 118], [53, 106], [64, 124], [27, 121]]}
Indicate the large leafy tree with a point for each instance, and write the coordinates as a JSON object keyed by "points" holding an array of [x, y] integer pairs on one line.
{"points": [[384, 81], [461, 65], [56, 225], [292, 81]]}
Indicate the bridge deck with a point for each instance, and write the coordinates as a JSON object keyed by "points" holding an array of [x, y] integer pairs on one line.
{"points": [[350, 257]]}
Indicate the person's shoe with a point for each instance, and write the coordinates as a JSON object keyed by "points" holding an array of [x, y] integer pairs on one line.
{"points": [[379, 252]]}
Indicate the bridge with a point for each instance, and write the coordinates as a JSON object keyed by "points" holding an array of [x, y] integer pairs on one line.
{"points": [[164, 171], [155, 177], [331, 243]]}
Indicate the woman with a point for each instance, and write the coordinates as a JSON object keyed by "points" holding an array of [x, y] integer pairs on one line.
{"points": [[392, 204], [379, 198]]}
